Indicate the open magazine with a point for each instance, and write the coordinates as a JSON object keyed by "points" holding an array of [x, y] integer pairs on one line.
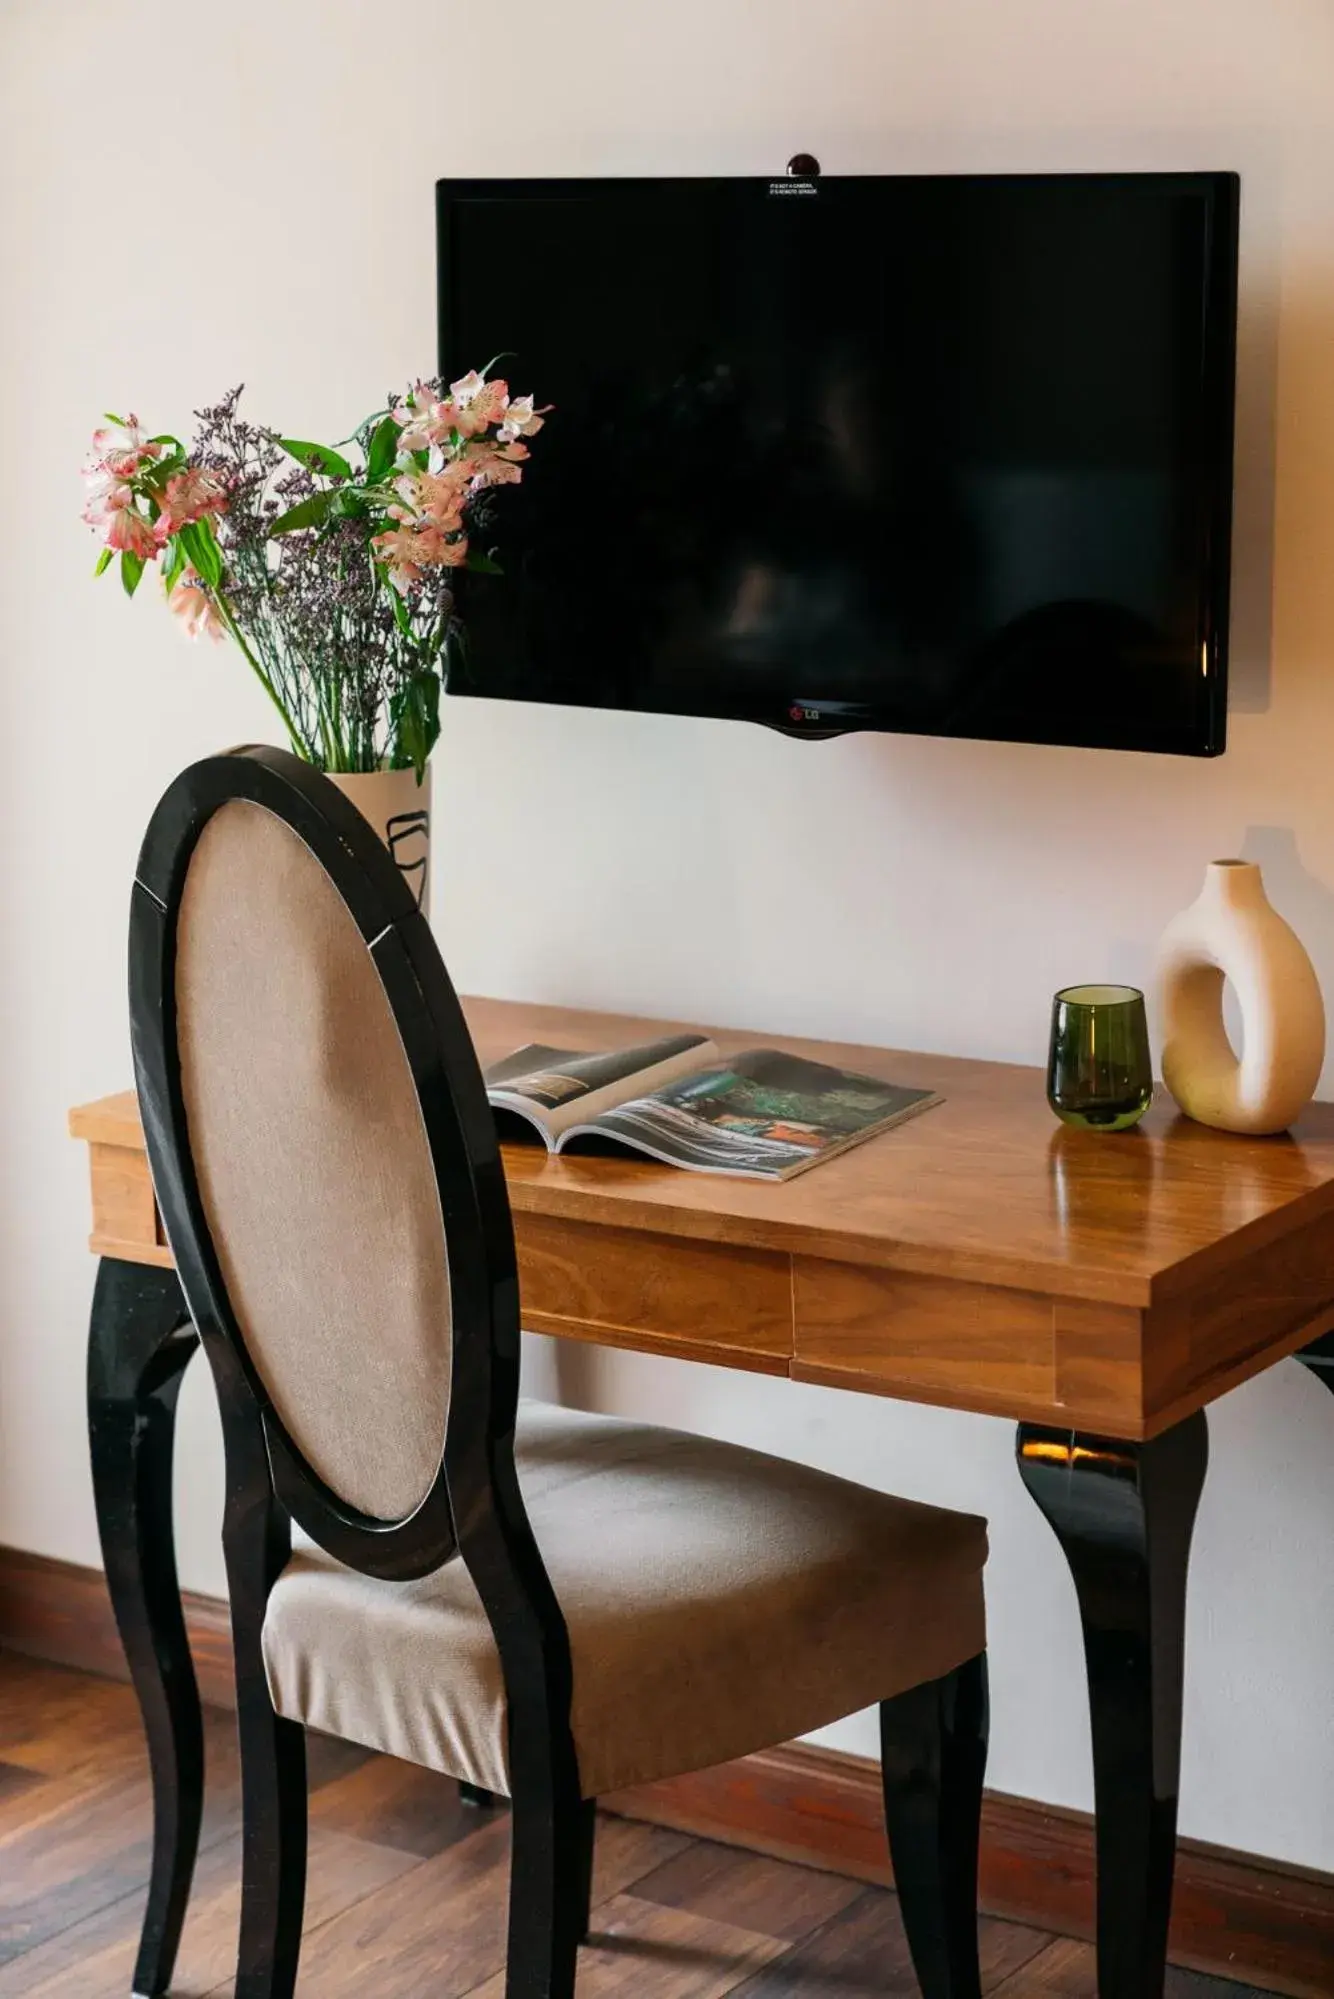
{"points": [[763, 1114]]}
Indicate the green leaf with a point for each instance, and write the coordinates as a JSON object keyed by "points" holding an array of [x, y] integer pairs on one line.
{"points": [[383, 451], [104, 561], [171, 575], [202, 548], [319, 457], [311, 513], [131, 569], [188, 538], [111, 417], [485, 565], [414, 715], [162, 469], [402, 616], [208, 542]]}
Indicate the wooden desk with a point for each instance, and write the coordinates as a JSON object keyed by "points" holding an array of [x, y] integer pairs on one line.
{"points": [[982, 1256], [1099, 1291]]}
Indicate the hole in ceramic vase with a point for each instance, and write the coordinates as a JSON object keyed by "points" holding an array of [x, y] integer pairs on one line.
{"points": [[1233, 1025]]}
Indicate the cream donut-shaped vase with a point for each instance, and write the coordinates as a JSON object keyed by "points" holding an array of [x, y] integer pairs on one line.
{"points": [[1231, 931]]}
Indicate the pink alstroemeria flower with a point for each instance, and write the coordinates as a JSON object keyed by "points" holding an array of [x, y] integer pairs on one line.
{"points": [[439, 550], [467, 388], [522, 420], [132, 534], [432, 496], [496, 465], [106, 496], [478, 403], [188, 497], [408, 553], [424, 420], [191, 603], [123, 449]]}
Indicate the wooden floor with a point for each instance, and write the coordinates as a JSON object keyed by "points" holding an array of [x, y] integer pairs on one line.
{"points": [[407, 1886]]}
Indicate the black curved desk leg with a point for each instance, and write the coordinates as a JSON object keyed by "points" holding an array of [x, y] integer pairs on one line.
{"points": [[1320, 1359], [140, 1339], [1123, 1513]]}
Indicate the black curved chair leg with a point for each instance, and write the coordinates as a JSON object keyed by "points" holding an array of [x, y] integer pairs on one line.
{"points": [[933, 1758], [257, 1540], [139, 1343], [1124, 1513], [273, 1862], [550, 1871]]}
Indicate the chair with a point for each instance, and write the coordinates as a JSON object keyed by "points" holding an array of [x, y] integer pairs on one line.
{"points": [[540, 1603]]}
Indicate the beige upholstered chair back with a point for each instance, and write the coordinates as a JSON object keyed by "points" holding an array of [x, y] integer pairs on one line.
{"points": [[312, 1162]]}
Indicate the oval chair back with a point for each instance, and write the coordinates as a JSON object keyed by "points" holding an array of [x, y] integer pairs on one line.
{"points": [[330, 1182]]}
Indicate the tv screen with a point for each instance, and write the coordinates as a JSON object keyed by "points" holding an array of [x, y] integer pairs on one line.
{"points": [[949, 455]]}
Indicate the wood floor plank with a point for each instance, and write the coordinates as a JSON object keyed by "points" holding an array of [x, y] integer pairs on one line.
{"points": [[1182, 1984], [408, 1888], [76, 1839], [1003, 1948], [328, 1760], [77, 1849], [1065, 1969], [439, 1931], [55, 1720], [95, 1958], [431, 1934], [652, 1950], [860, 1950], [751, 1892], [863, 1950], [79, 1839], [624, 1851], [396, 1804]]}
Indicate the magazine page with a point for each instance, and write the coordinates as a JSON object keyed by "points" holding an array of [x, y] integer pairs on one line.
{"points": [[554, 1088], [765, 1115]]}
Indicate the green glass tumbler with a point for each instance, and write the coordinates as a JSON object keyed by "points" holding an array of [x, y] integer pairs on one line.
{"points": [[1099, 1070]]}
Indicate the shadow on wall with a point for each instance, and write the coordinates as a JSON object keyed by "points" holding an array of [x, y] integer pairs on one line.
{"points": [[1303, 607], [1251, 637], [577, 1375], [1300, 897]]}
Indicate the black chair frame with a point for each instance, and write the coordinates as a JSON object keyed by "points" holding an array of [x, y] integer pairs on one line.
{"points": [[933, 1738]]}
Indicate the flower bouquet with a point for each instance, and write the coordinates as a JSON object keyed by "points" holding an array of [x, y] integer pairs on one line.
{"points": [[332, 573]]}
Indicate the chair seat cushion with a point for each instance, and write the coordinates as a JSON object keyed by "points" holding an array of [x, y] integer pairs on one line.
{"points": [[718, 1601]]}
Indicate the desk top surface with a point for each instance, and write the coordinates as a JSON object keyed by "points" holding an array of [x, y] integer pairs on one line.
{"points": [[986, 1187]]}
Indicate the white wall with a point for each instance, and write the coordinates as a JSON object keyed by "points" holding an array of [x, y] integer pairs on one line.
{"points": [[192, 196]]}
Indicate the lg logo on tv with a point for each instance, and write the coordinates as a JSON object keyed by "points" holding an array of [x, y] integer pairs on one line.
{"points": [[796, 713]]}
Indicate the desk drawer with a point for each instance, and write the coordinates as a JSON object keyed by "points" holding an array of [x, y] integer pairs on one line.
{"points": [[930, 1339], [126, 1223], [629, 1288]]}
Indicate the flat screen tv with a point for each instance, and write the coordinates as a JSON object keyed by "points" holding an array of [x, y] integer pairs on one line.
{"points": [[949, 455]]}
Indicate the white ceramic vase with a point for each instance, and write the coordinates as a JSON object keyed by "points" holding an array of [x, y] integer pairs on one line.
{"points": [[400, 811], [1231, 931]]}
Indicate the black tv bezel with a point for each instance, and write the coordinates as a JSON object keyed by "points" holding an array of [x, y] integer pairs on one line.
{"points": [[816, 720]]}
